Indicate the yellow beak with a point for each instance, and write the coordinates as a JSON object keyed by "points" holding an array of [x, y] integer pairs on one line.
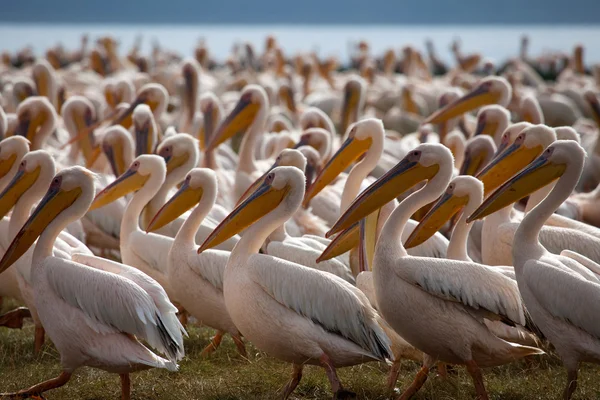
{"points": [[537, 175], [368, 241], [12, 193], [255, 185], [399, 179], [472, 164], [173, 162], [239, 120], [348, 153], [54, 202], [115, 155], [349, 108], [127, 183], [184, 199], [478, 97], [7, 164], [207, 131], [258, 204], [443, 210], [342, 243], [506, 164]]}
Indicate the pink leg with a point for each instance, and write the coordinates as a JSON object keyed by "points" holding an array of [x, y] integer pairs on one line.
{"points": [[336, 385], [475, 373], [241, 347], [214, 344], [125, 387], [571, 384], [293, 383], [393, 376], [39, 339], [37, 390], [417, 383]]}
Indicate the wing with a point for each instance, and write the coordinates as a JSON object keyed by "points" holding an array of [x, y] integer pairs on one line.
{"points": [[328, 301], [70, 245], [307, 257], [555, 240], [565, 294], [586, 262], [469, 283], [155, 291], [210, 266], [112, 303], [151, 248]]}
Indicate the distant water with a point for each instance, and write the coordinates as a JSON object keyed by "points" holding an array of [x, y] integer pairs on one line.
{"points": [[495, 42]]}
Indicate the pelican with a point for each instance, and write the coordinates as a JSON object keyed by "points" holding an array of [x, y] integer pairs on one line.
{"points": [[197, 278], [492, 120], [436, 305], [328, 321], [499, 229], [250, 113], [562, 291], [67, 295], [366, 137], [35, 171], [37, 121], [490, 90], [305, 249]]}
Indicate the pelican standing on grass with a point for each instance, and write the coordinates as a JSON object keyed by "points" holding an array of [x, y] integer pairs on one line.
{"points": [[92, 314], [437, 305], [561, 292], [324, 321]]}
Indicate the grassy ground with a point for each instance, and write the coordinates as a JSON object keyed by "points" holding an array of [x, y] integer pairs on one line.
{"points": [[226, 376]]}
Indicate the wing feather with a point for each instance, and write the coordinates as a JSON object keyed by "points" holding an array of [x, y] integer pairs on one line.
{"points": [[325, 299], [474, 285], [565, 294], [115, 302]]}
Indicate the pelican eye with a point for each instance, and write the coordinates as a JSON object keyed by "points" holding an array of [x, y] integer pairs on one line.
{"points": [[269, 179]]}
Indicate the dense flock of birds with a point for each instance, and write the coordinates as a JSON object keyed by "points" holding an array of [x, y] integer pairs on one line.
{"points": [[302, 207]]}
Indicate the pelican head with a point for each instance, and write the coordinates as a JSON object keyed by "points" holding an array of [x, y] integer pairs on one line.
{"points": [[353, 103], [425, 162], [118, 148], [592, 100], [287, 158], [479, 151], [546, 168], [133, 179], [211, 110], [286, 97], [68, 198], [37, 120], [319, 139], [118, 90], [22, 89], [180, 153], [153, 95], [531, 111], [529, 144], [253, 99], [314, 117], [146, 131], [279, 194], [490, 90], [35, 172], [459, 193], [567, 133], [191, 78], [44, 76], [361, 137], [12, 150], [78, 115], [200, 185], [492, 120]]}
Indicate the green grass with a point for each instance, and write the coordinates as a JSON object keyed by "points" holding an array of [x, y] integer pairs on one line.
{"points": [[226, 376]]}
